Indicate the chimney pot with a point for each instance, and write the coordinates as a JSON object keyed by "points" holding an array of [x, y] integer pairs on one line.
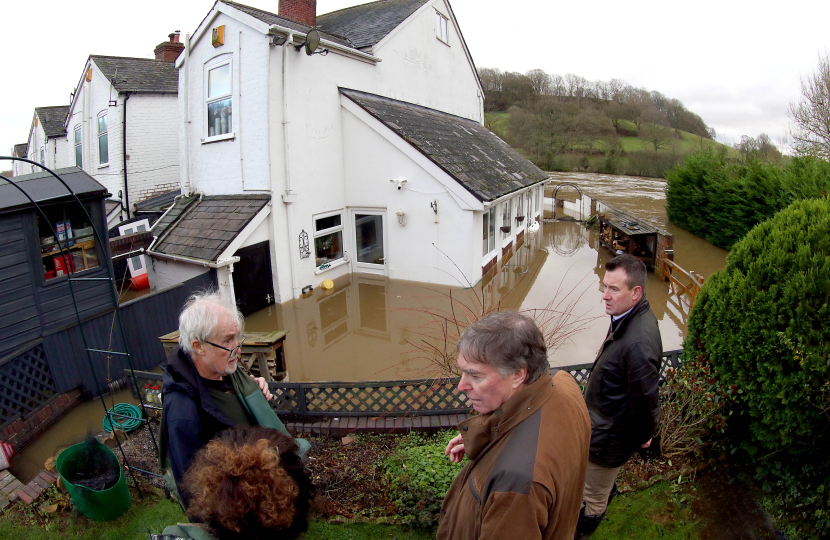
{"points": [[302, 11], [169, 50]]}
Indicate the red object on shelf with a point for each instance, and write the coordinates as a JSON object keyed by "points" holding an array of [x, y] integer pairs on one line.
{"points": [[63, 264], [139, 282], [50, 274]]}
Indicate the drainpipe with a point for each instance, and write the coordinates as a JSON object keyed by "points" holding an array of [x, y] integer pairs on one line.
{"points": [[289, 197], [186, 67], [124, 149]]}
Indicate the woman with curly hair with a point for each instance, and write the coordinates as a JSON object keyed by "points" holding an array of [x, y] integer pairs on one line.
{"points": [[248, 482]]}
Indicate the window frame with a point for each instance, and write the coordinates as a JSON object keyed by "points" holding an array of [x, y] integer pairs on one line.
{"points": [[442, 27], [210, 65], [42, 156], [326, 232], [506, 217], [488, 223], [78, 144], [103, 114]]}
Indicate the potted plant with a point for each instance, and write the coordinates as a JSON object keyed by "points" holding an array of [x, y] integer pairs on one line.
{"points": [[505, 228], [519, 219]]}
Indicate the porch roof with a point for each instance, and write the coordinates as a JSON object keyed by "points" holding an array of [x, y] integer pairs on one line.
{"points": [[470, 153], [202, 228]]}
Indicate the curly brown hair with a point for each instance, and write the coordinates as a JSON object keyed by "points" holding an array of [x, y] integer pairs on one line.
{"points": [[248, 482]]}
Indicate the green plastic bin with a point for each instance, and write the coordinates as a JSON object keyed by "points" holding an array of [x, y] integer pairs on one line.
{"points": [[83, 460]]}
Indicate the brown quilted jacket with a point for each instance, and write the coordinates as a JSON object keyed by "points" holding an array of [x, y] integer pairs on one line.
{"points": [[527, 466]]}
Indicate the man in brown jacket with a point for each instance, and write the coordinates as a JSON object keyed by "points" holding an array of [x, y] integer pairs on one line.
{"points": [[528, 447]]}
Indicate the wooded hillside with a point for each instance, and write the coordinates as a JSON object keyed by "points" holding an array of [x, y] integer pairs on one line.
{"points": [[570, 123]]}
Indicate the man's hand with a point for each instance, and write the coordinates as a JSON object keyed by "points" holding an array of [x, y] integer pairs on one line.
{"points": [[646, 445], [455, 449], [263, 386]]}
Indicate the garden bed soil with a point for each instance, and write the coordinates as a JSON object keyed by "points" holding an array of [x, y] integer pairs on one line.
{"points": [[352, 484]]}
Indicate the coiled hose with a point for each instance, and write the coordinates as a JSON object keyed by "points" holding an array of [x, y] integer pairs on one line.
{"points": [[124, 424]]}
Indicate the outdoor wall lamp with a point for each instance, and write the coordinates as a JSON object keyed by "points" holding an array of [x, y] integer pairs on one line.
{"points": [[399, 181], [401, 216]]}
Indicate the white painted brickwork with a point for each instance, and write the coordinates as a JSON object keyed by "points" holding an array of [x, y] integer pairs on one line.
{"points": [[153, 145]]}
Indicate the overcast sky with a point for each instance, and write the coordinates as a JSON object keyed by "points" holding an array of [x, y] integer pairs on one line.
{"points": [[735, 63]]}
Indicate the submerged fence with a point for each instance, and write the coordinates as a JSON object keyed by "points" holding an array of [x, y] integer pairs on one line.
{"points": [[388, 398]]}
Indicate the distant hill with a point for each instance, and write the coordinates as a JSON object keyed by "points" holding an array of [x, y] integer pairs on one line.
{"points": [[570, 123]]}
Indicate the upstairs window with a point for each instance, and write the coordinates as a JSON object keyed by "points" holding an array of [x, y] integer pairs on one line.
{"points": [[505, 218], [103, 142], [218, 101], [442, 27], [328, 238], [79, 151]]}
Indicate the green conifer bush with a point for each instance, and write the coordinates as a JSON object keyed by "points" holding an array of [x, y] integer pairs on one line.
{"points": [[721, 199], [764, 321]]}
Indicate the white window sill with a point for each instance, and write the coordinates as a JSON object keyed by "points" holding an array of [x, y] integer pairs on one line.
{"points": [[103, 165], [507, 241], [331, 265], [223, 137], [489, 257], [442, 41]]}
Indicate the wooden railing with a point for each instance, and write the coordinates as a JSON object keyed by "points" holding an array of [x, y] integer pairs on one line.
{"points": [[387, 398], [672, 272]]}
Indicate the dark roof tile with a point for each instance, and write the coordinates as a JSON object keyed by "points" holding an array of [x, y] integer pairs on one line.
{"points": [[52, 119], [20, 150], [367, 24], [432, 133], [206, 227], [139, 74]]}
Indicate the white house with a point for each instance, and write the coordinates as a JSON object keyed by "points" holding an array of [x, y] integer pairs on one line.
{"points": [[47, 136], [122, 126], [367, 156], [20, 168]]}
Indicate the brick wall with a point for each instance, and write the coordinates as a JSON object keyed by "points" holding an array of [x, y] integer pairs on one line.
{"points": [[304, 11], [21, 431]]}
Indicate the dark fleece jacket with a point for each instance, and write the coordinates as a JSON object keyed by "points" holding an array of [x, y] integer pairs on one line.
{"points": [[622, 393]]}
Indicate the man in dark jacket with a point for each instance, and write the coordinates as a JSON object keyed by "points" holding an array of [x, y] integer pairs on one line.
{"points": [[203, 392], [622, 392], [528, 446]]}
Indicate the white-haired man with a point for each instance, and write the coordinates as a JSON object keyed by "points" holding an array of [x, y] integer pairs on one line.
{"points": [[203, 391]]}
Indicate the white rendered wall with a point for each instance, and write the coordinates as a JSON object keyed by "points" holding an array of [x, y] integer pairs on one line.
{"points": [[421, 250], [166, 273], [416, 67]]}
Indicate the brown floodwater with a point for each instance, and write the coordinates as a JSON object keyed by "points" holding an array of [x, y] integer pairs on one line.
{"points": [[72, 428], [374, 328]]}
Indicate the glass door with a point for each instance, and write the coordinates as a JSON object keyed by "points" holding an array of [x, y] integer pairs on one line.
{"points": [[369, 254]]}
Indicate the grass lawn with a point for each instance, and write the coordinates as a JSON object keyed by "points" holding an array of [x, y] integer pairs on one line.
{"points": [[688, 509]]}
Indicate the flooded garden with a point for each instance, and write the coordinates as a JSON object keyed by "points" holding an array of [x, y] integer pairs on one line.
{"points": [[375, 328]]}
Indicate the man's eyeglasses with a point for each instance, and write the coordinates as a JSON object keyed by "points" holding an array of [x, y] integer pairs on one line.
{"points": [[231, 351]]}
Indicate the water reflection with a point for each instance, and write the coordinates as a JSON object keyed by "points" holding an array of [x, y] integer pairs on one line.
{"points": [[372, 328]]}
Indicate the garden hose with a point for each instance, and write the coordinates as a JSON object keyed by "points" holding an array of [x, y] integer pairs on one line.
{"points": [[124, 424]]}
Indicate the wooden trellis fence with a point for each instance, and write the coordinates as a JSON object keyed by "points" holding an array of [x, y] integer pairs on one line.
{"points": [[387, 398], [25, 385]]}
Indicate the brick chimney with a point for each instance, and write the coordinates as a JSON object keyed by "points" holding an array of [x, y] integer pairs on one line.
{"points": [[169, 50], [302, 11]]}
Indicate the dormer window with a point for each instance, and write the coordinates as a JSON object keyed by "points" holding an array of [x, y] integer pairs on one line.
{"points": [[218, 99], [442, 27]]}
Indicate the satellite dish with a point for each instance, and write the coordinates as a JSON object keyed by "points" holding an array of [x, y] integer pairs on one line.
{"points": [[312, 41]]}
